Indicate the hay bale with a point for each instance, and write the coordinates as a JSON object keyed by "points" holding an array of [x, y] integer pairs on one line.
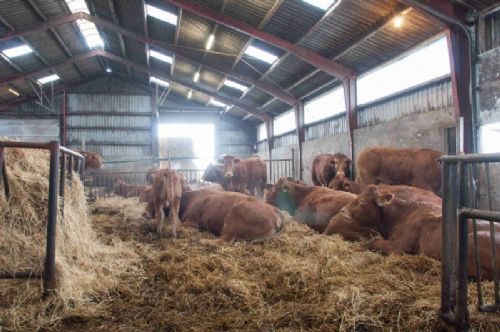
{"points": [[86, 268], [299, 280]]}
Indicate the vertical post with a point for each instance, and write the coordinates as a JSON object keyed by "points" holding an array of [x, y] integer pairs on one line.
{"points": [[64, 113], [270, 145], [293, 164], [48, 275], [446, 304], [154, 124], [3, 167], [351, 106], [70, 167], [301, 134], [460, 64], [62, 181]]}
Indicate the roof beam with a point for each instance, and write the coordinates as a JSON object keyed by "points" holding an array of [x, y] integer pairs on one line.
{"points": [[244, 106], [55, 34], [399, 10], [331, 67], [443, 10], [146, 30], [267, 87]]}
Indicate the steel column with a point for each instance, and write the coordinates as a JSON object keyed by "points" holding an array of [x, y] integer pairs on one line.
{"points": [[301, 134], [49, 270], [351, 106], [3, 167], [270, 145]]}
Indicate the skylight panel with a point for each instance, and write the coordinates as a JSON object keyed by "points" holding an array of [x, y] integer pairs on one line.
{"points": [[160, 56], [48, 79], [260, 54], [161, 14], [159, 81], [88, 29], [321, 4], [17, 51], [216, 103], [235, 85]]}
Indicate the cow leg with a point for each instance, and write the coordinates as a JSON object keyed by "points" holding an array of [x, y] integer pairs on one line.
{"points": [[160, 218], [174, 215], [383, 246]]}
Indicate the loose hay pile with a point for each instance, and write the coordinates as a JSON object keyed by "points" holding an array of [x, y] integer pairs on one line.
{"points": [[86, 268], [297, 280]]}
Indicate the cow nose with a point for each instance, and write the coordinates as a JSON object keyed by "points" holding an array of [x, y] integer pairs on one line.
{"points": [[341, 173], [229, 174]]}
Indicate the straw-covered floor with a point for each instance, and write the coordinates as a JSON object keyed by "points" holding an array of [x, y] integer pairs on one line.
{"points": [[138, 281]]}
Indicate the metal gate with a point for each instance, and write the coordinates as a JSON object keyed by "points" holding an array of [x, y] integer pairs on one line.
{"points": [[469, 196]]}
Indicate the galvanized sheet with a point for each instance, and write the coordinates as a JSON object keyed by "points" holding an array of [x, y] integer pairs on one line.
{"points": [[330, 127], [109, 103], [287, 139], [110, 136], [111, 152], [119, 121], [434, 96]]}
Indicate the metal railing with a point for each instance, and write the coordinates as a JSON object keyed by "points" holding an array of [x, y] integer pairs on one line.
{"points": [[61, 160], [279, 168], [463, 204]]}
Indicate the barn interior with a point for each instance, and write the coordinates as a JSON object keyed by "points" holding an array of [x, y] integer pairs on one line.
{"points": [[179, 84]]}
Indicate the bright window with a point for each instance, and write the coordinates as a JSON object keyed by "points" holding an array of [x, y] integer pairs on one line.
{"points": [[324, 106], [17, 51], [490, 136], [48, 79], [159, 81], [202, 136], [261, 132], [161, 14], [322, 4], [216, 103], [235, 85], [160, 56], [424, 64], [88, 29], [260, 54], [284, 123]]}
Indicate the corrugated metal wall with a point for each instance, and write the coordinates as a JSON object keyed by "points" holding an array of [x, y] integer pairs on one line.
{"points": [[110, 117], [233, 139], [426, 98], [434, 95]]}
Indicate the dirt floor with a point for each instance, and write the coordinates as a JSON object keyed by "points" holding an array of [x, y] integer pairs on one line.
{"points": [[299, 280]]}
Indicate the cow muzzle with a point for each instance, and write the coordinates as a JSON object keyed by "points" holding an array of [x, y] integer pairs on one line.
{"points": [[229, 174]]}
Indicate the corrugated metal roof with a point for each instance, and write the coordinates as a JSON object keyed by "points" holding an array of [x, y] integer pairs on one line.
{"points": [[291, 20]]}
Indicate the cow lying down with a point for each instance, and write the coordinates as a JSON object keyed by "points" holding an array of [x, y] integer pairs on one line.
{"points": [[408, 220], [231, 216]]}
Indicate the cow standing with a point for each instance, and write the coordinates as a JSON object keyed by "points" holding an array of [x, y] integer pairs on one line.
{"points": [[409, 220], [249, 175], [400, 166], [326, 166], [311, 205], [166, 191], [231, 216], [215, 173]]}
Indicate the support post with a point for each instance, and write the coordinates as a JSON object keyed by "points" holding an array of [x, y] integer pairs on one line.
{"points": [[270, 145], [351, 106], [154, 124], [62, 180], [301, 134], [460, 64], [3, 169], [63, 124], [48, 275]]}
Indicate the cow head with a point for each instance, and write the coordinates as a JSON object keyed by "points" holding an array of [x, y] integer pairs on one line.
{"points": [[340, 182], [229, 163], [362, 217], [340, 164], [281, 195], [213, 173], [92, 160]]}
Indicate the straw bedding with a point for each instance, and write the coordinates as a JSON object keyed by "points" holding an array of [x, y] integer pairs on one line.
{"points": [[298, 280]]}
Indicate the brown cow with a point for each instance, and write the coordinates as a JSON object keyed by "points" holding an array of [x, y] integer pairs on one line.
{"points": [[166, 192], [326, 166], [231, 216], [214, 173], [408, 219], [92, 159], [311, 205], [126, 190], [400, 166], [245, 175]]}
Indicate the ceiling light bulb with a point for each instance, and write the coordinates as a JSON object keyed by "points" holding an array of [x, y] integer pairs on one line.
{"points": [[210, 42], [196, 76], [190, 94], [14, 92], [398, 21]]}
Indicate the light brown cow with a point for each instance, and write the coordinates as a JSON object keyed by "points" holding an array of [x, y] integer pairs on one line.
{"points": [[92, 159], [400, 166], [248, 175], [311, 205], [408, 219], [126, 190], [166, 192], [326, 166], [231, 216]]}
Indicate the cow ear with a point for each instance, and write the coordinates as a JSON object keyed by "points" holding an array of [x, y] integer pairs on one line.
{"points": [[384, 199]]}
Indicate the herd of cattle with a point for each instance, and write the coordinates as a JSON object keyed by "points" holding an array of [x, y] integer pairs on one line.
{"points": [[394, 202]]}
